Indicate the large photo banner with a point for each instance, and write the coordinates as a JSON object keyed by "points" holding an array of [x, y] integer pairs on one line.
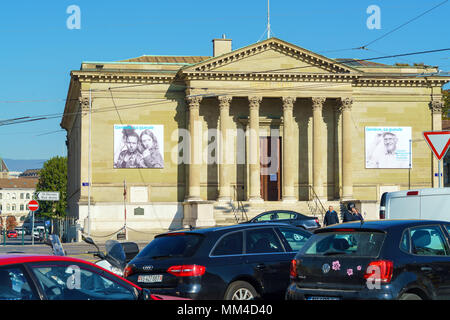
{"points": [[138, 146], [388, 147]]}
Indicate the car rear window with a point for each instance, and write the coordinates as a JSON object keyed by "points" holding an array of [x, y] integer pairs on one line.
{"points": [[349, 243], [172, 245]]}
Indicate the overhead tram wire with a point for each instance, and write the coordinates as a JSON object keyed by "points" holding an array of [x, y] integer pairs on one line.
{"points": [[402, 25]]}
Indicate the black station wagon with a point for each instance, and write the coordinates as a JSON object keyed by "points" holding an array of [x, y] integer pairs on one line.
{"points": [[240, 262], [384, 259]]}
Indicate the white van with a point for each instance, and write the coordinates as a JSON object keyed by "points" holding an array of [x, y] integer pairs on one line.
{"points": [[430, 203]]}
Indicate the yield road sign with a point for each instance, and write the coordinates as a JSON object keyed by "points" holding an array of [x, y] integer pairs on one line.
{"points": [[438, 141], [33, 205]]}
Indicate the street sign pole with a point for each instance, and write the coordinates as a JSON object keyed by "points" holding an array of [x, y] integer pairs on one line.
{"points": [[32, 228], [439, 142]]}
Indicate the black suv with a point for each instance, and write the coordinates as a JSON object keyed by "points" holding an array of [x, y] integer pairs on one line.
{"points": [[384, 259], [245, 261]]}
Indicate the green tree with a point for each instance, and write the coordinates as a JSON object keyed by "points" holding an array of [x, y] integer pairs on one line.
{"points": [[53, 177], [446, 99]]}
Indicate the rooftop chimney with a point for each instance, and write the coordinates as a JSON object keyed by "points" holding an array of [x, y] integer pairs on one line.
{"points": [[221, 46]]}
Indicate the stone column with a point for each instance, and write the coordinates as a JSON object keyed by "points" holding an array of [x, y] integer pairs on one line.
{"points": [[288, 160], [254, 157], [195, 133], [224, 145], [347, 181], [85, 172], [436, 118], [319, 155]]}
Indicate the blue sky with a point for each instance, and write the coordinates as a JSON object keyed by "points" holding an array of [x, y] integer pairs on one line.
{"points": [[39, 51]]}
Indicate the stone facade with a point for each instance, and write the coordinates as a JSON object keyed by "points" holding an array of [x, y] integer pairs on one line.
{"points": [[222, 108]]}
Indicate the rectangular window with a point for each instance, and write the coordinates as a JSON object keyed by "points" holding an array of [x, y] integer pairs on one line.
{"points": [[428, 241], [230, 244], [14, 285], [262, 241], [295, 238], [348, 243]]}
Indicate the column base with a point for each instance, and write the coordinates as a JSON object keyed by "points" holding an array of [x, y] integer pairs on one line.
{"points": [[193, 198], [290, 199], [224, 199], [256, 199]]}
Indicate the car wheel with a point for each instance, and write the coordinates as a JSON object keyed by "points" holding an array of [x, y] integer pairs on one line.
{"points": [[240, 290], [410, 296]]}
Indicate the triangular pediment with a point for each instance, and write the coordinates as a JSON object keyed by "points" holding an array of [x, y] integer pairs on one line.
{"points": [[271, 56]]}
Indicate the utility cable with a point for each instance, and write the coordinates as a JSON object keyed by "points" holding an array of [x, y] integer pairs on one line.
{"points": [[402, 25]]}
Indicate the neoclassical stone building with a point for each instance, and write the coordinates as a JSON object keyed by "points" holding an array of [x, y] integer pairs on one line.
{"points": [[271, 125]]}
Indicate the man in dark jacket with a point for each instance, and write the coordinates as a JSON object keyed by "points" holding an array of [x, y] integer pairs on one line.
{"points": [[352, 213], [331, 217]]}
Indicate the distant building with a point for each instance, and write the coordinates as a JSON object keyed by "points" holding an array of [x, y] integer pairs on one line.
{"points": [[30, 173], [15, 195], [4, 171]]}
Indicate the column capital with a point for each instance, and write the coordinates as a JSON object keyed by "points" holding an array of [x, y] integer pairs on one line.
{"points": [[436, 106], [346, 103], [193, 101], [255, 101], [84, 103], [288, 102], [318, 102], [224, 101]]}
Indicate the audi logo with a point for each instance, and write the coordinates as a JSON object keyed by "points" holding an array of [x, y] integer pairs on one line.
{"points": [[147, 268]]}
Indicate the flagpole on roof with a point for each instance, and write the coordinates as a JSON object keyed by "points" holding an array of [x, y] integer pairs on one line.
{"points": [[268, 19]]}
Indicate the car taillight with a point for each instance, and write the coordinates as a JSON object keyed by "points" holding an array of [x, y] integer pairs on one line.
{"points": [[191, 270], [293, 271], [380, 270], [128, 271]]}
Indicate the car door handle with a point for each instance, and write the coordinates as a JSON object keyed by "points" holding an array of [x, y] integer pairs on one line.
{"points": [[426, 269], [260, 266]]}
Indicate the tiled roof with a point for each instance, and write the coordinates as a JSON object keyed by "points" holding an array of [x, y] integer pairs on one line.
{"points": [[168, 59], [19, 183], [30, 173]]}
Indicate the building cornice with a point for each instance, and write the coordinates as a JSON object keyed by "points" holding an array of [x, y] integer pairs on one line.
{"points": [[267, 76], [123, 77]]}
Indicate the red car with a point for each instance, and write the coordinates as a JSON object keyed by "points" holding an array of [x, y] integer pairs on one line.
{"points": [[12, 234], [34, 277]]}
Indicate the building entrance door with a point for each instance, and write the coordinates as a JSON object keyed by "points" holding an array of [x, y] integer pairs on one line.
{"points": [[270, 159]]}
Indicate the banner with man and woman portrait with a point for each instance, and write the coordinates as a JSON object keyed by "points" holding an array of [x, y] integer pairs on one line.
{"points": [[138, 146]]}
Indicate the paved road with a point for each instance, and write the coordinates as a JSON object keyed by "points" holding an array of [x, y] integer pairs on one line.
{"points": [[77, 250]]}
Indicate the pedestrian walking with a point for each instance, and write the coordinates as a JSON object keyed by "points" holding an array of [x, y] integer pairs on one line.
{"points": [[331, 217]]}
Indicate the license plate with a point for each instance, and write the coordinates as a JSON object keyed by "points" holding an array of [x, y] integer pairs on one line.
{"points": [[321, 298], [150, 278]]}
